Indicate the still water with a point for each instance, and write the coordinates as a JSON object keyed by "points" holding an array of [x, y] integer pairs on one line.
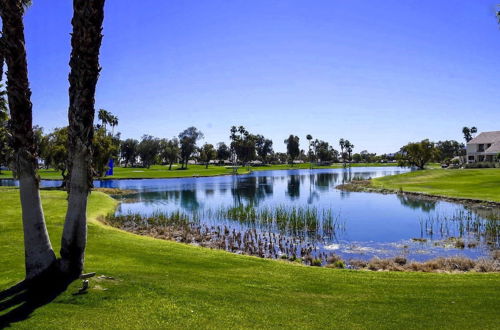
{"points": [[366, 224]]}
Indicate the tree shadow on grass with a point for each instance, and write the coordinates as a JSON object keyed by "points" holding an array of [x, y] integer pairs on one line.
{"points": [[19, 301]]}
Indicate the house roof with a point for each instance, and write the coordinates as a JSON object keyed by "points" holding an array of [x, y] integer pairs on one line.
{"points": [[495, 147], [487, 137]]}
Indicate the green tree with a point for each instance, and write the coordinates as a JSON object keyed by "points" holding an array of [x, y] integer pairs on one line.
{"points": [[242, 145], [55, 151], [129, 151], [148, 150], [468, 132], [292, 147], [169, 151], [417, 154], [188, 139], [449, 149], [207, 153], [105, 147], [324, 152], [264, 147], [223, 151]]}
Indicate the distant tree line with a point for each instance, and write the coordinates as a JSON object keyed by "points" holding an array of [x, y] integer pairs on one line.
{"points": [[244, 149]]}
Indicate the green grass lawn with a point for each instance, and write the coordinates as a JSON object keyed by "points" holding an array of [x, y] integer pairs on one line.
{"points": [[162, 171], [163, 284], [481, 184]]}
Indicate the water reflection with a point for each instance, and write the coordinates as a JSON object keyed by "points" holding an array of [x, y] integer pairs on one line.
{"points": [[415, 202], [375, 224]]}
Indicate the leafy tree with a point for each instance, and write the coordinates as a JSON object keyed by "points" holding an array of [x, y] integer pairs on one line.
{"points": [[324, 152], [367, 157], [223, 151], [242, 144], [449, 149], [129, 150], [468, 132], [169, 151], [417, 154], [55, 151], [357, 158], [148, 150], [187, 140], [292, 147], [264, 147], [281, 157], [105, 147], [207, 153]]}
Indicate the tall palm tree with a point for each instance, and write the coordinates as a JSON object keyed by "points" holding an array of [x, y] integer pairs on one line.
{"points": [[104, 116], [342, 146], [39, 255], [113, 122], [86, 40], [309, 138]]}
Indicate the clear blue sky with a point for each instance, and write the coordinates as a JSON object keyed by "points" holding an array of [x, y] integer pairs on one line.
{"points": [[380, 73]]}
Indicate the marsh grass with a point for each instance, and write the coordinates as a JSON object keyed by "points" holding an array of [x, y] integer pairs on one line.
{"points": [[296, 221], [464, 227]]}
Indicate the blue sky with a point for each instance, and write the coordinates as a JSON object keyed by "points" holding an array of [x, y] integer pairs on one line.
{"points": [[379, 73]]}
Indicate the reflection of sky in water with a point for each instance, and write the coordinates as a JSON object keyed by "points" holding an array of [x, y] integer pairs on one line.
{"points": [[375, 224]]}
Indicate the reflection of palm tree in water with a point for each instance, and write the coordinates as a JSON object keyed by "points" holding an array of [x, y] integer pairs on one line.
{"points": [[313, 194], [293, 187], [346, 175]]}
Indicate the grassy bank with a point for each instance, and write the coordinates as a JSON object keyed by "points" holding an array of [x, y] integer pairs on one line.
{"points": [[162, 171], [162, 284], [477, 184]]}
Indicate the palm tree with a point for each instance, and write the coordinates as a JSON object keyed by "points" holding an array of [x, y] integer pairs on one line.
{"points": [[39, 255], [342, 146], [309, 138], [349, 147], [104, 116], [86, 39], [113, 122]]}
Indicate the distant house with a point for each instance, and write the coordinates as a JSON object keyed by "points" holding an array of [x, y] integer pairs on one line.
{"points": [[484, 147]]}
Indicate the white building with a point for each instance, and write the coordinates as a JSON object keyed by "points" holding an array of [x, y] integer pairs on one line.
{"points": [[484, 147]]}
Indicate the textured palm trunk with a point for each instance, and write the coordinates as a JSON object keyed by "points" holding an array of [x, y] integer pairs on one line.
{"points": [[39, 256], [86, 39]]}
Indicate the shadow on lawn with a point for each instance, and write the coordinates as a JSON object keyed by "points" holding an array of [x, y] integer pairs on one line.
{"points": [[20, 300]]}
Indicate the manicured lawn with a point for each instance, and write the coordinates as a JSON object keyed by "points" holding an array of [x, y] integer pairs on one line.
{"points": [[162, 284], [483, 184], [162, 171]]}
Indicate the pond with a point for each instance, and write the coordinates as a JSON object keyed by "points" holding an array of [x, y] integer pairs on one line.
{"points": [[354, 225]]}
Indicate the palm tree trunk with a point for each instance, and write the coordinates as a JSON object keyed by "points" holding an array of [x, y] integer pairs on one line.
{"points": [[86, 42], [39, 256]]}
